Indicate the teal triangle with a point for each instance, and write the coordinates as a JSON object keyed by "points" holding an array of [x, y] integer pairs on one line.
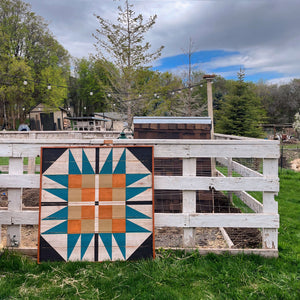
{"points": [[132, 192], [72, 240], [132, 178], [121, 241], [60, 193], [61, 179], [58, 229], [134, 214], [62, 214], [121, 166], [86, 166], [131, 227], [85, 242], [73, 167], [107, 167], [107, 241]]}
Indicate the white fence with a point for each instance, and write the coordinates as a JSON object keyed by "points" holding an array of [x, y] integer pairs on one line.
{"points": [[265, 217]]}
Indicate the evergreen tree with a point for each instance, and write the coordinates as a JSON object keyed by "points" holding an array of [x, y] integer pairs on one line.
{"points": [[240, 111]]}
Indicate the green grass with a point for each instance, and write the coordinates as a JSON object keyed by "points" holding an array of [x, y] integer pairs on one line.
{"points": [[4, 161], [173, 274]]}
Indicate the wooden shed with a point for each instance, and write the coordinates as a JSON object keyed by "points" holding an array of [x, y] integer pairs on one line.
{"points": [[176, 128], [46, 118]]}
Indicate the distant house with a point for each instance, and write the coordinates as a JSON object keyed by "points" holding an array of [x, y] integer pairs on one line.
{"points": [[44, 118]]}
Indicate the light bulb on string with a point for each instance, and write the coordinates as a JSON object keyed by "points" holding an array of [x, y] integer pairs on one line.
{"points": [[25, 82], [49, 86]]}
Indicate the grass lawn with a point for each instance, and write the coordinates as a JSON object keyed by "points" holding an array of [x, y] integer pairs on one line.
{"points": [[173, 274], [4, 161]]}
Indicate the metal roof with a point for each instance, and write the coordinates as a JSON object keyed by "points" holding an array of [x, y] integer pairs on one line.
{"points": [[87, 119], [172, 120]]}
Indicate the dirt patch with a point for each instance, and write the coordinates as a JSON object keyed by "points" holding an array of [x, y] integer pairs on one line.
{"points": [[30, 197], [29, 234], [245, 237], [295, 165], [171, 237]]}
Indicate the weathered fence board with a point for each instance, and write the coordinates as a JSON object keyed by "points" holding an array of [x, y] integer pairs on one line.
{"points": [[219, 184], [239, 168], [217, 220]]}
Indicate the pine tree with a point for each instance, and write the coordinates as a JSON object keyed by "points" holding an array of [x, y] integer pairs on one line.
{"points": [[123, 44], [240, 112]]}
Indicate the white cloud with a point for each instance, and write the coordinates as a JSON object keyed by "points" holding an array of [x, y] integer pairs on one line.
{"points": [[280, 81]]}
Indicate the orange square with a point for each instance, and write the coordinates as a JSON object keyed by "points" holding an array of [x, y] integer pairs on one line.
{"points": [[105, 211], [119, 180], [118, 225], [105, 194], [87, 194], [88, 212], [74, 226], [75, 181]]}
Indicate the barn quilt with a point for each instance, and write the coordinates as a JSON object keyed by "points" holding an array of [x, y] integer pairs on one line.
{"points": [[96, 204]]}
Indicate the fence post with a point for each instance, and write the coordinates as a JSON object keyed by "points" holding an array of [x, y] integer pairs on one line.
{"points": [[15, 167], [189, 201], [270, 235], [229, 174], [31, 165]]}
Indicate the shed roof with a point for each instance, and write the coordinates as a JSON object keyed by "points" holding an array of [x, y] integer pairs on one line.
{"points": [[171, 120], [87, 119]]}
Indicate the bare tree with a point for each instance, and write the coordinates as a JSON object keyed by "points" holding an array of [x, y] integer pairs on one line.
{"points": [[190, 100], [123, 44]]}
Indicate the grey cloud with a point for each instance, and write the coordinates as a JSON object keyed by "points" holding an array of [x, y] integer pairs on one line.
{"points": [[267, 31]]}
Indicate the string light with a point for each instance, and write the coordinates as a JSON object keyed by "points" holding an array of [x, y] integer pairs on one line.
{"points": [[139, 96]]}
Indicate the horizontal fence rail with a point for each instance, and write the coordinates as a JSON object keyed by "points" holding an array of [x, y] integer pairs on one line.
{"points": [[222, 150]]}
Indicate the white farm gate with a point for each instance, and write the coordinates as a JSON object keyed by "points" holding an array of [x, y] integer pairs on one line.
{"points": [[222, 149]]}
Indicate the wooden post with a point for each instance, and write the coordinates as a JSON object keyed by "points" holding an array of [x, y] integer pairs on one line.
{"points": [[270, 235], [189, 201], [209, 79], [14, 201], [229, 174], [31, 165]]}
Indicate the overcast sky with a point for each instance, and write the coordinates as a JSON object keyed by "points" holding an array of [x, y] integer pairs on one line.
{"points": [[262, 36]]}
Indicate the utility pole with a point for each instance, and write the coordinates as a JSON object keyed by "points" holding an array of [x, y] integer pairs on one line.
{"points": [[209, 79]]}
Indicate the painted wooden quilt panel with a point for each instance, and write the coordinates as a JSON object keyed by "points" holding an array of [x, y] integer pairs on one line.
{"points": [[96, 204]]}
